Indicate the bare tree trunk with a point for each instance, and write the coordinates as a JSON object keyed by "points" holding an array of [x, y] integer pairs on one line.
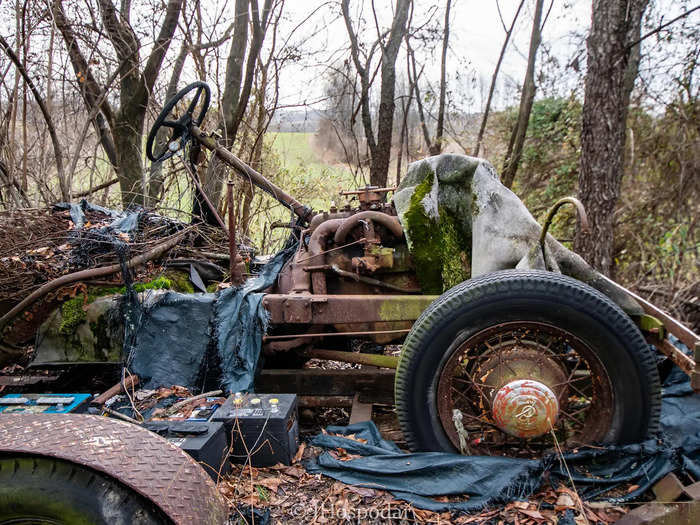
{"points": [[237, 86], [517, 138], [380, 148], [406, 107], [613, 61], [413, 78], [49, 106], [379, 168], [494, 77], [436, 147], [25, 39], [120, 131]]}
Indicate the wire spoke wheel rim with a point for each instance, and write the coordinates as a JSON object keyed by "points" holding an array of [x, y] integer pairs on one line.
{"points": [[542, 355]]}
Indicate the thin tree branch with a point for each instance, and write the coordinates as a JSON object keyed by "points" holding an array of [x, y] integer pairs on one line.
{"points": [[58, 153]]}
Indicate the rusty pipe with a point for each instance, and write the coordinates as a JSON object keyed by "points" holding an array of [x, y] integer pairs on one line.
{"points": [[389, 221], [303, 212], [317, 245], [326, 216], [580, 211], [129, 382], [384, 361], [234, 270], [368, 280], [336, 334]]}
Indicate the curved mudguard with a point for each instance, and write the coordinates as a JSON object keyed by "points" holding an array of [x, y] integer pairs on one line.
{"points": [[139, 459]]}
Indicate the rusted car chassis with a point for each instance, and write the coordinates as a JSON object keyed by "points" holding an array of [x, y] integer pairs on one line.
{"points": [[364, 285]]}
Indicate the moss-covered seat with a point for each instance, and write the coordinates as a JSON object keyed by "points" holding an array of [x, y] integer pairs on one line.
{"points": [[460, 222]]}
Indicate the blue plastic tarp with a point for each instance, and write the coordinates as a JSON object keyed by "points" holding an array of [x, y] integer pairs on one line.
{"points": [[176, 338]]}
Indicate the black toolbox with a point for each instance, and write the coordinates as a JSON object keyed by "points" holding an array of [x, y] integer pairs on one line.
{"points": [[263, 427]]}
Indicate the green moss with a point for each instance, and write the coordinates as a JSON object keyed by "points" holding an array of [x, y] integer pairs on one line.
{"points": [[425, 239], [439, 248], [179, 281], [159, 283], [96, 292], [170, 280], [454, 253], [72, 315]]}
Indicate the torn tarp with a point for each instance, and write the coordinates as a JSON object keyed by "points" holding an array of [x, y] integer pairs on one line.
{"points": [[175, 338], [240, 322], [171, 340], [498, 480], [124, 221]]}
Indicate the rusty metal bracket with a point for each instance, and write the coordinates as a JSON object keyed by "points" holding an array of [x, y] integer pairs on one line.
{"points": [[690, 365], [684, 362], [141, 460], [297, 309]]}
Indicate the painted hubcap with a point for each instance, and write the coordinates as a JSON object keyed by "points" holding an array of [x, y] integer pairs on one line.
{"points": [[525, 408]]}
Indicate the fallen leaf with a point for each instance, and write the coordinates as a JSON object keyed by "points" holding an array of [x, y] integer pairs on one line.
{"points": [[564, 501], [532, 514], [299, 454], [294, 472], [579, 519], [271, 483]]}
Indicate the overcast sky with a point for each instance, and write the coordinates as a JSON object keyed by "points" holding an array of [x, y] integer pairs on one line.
{"points": [[475, 41]]}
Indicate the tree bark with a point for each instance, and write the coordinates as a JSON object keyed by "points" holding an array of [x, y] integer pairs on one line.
{"points": [[363, 73], [121, 131], [379, 147], [613, 62], [237, 87], [517, 138], [379, 168]]}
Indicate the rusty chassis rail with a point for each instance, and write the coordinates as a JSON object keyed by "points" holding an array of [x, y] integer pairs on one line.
{"points": [[344, 309], [690, 366]]}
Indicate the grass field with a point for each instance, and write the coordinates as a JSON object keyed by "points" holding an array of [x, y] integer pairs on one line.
{"points": [[298, 157], [294, 165]]}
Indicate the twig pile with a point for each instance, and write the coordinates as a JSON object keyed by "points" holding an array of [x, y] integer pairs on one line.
{"points": [[38, 245]]}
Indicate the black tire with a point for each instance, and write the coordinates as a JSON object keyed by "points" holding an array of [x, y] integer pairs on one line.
{"points": [[39, 490], [526, 296]]}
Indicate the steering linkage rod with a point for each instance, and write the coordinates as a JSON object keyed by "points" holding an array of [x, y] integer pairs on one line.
{"points": [[301, 211]]}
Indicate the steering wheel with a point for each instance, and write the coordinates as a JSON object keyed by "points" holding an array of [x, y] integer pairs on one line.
{"points": [[180, 134]]}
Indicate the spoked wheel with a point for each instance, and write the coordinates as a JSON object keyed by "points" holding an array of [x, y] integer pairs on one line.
{"points": [[515, 363], [513, 384]]}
